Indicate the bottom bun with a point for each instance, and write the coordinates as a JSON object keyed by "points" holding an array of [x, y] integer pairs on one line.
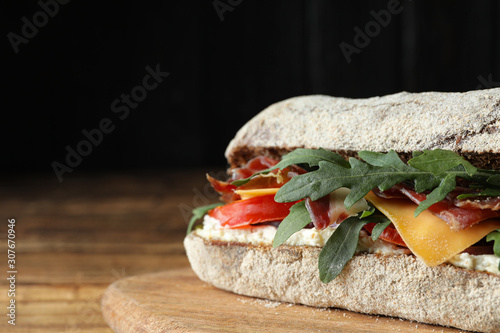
{"points": [[392, 285]]}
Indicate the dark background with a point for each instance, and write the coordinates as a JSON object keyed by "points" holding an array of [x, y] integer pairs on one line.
{"points": [[223, 68]]}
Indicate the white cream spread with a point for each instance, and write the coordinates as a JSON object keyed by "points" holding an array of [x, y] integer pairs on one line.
{"points": [[484, 262], [263, 235]]}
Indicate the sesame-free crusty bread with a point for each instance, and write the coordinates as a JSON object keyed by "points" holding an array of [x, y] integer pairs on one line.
{"points": [[467, 123], [394, 285]]}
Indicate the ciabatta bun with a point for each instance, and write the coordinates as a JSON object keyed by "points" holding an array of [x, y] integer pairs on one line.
{"points": [[467, 123], [392, 285]]}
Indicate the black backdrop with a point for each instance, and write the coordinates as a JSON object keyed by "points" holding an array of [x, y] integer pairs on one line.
{"points": [[67, 62]]}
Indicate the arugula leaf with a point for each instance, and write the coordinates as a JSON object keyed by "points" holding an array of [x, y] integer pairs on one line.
{"points": [[489, 192], [495, 236], [379, 228], [360, 178], [494, 180], [438, 161], [311, 157], [198, 213], [431, 170], [416, 153], [368, 212], [342, 244], [448, 184], [297, 219], [390, 159], [340, 248]]}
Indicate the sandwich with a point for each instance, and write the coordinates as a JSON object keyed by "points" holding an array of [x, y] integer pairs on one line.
{"points": [[386, 206]]}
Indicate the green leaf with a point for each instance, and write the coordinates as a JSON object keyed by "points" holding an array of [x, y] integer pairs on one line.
{"points": [[380, 227], [416, 153], [384, 171], [495, 236], [368, 212], [390, 159], [340, 248], [360, 178], [439, 161], [494, 180], [342, 244], [448, 184], [311, 157], [489, 192], [198, 213], [297, 219]]}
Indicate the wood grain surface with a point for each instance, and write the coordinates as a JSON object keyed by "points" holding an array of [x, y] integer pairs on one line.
{"points": [[77, 237], [178, 301], [74, 239]]}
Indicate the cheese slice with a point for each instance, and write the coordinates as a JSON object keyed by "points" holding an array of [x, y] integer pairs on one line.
{"points": [[246, 194], [427, 236]]}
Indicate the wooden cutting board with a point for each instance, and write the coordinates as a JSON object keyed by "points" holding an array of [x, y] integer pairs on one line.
{"points": [[178, 301]]}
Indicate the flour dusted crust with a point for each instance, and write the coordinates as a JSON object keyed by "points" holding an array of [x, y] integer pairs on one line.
{"points": [[395, 285], [468, 123]]}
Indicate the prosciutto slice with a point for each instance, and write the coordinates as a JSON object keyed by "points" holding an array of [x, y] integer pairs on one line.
{"points": [[256, 164], [330, 209], [492, 203], [226, 189], [273, 179], [318, 210], [459, 214]]}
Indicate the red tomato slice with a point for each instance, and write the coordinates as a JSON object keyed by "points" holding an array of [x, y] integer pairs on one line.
{"points": [[250, 211], [390, 234]]}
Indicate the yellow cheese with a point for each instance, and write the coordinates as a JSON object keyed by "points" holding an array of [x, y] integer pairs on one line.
{"points": [[427, 236], [245, 194]]}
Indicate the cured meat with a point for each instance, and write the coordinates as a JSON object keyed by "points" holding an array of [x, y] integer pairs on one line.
{"points": [[457, 217], [327, 211], [318, 210], [225, 189], [392, 193], [492, 203], [273, 179], [390, 234], [256, 164]]}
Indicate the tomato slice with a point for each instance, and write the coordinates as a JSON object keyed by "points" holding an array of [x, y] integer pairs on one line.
{"points": [[250, 211], [390, 234]]}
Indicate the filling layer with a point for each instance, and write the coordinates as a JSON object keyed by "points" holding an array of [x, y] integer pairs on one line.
{"points": [[375, 204], [264, 235]]}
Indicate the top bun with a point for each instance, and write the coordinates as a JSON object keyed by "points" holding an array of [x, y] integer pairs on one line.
{"points": [[467, 123]]}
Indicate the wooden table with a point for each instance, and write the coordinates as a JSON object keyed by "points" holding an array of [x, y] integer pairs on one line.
{"points": [[75, 238]]}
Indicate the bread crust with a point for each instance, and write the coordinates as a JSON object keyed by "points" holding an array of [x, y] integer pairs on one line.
{"points": [[394, 285], [467, 123]]}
